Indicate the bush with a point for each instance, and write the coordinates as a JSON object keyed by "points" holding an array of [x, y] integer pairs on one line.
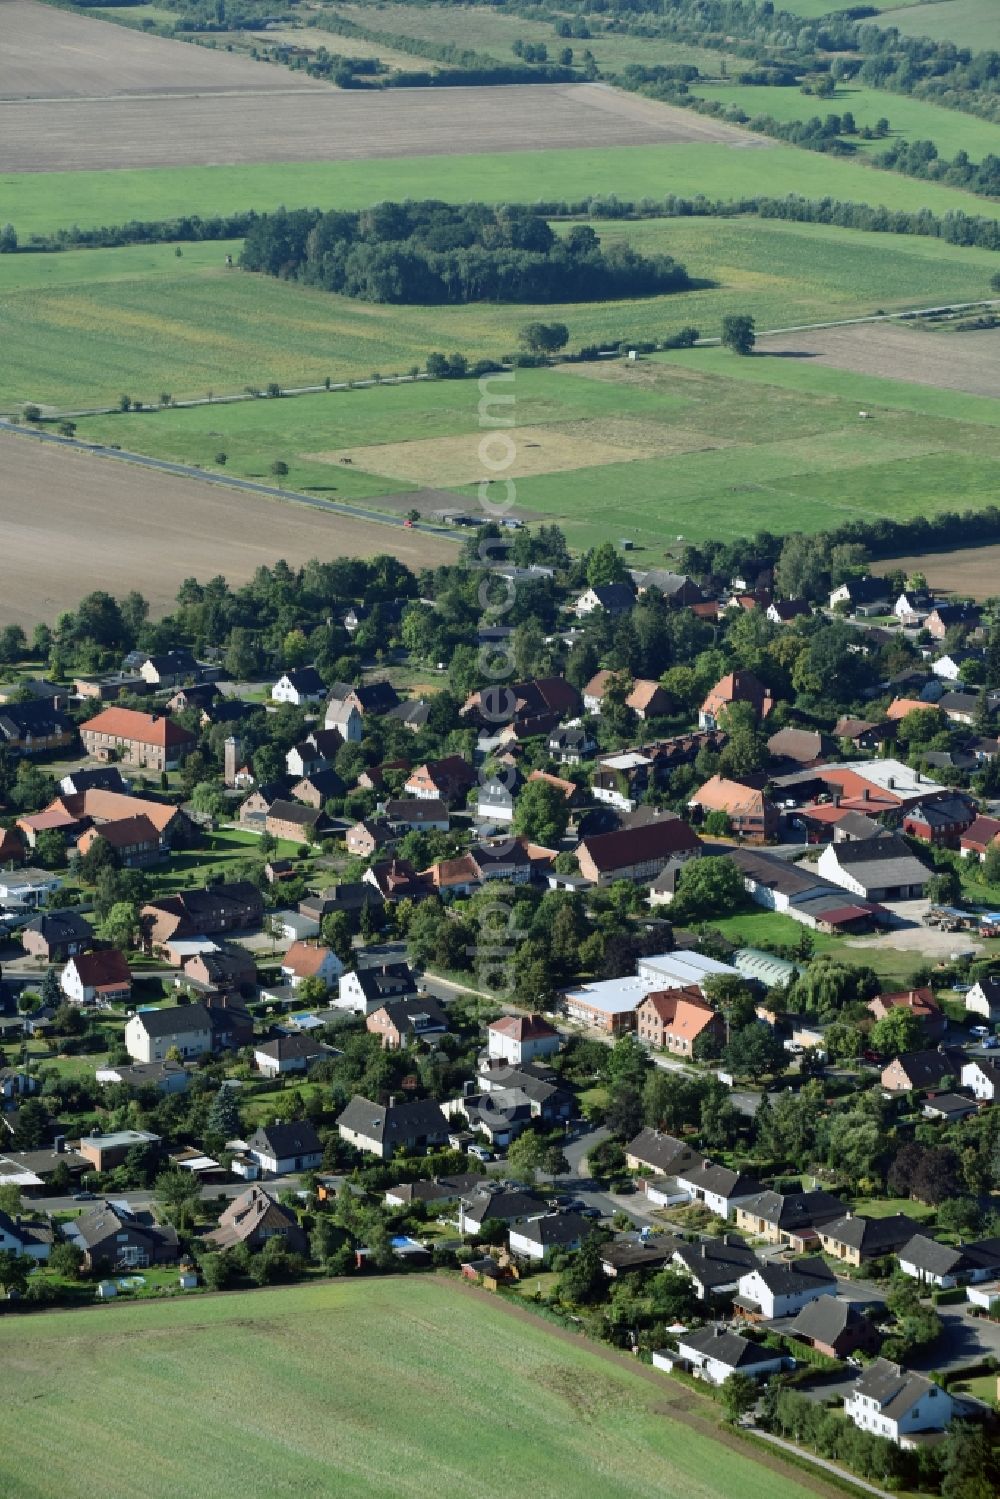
{"points": [[279, 467]]}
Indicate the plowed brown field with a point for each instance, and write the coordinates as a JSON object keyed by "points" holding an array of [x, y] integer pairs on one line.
{"points": [[73, 522]]}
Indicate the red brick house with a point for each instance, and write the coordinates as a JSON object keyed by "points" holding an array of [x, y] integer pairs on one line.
{"points": [[919, 1002], [134, 840], [147, 739], [752, 814], [675, 1018], [940, 821], [637, 853], [736, 687]]}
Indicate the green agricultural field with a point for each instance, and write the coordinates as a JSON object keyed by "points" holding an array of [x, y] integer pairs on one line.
{"points": [[144, 320], [909, 118], [812, 10], [482, 28], [380, 1389], [967, 23], [695, 445], [40, 203]]}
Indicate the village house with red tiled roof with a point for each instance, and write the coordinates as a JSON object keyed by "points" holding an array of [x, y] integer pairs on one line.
{"points": [[736, 687], [147, 739], [675, 1018]]}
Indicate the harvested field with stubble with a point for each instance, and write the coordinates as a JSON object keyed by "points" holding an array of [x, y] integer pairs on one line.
{"points": [[968, 362], [56, 54], [73, 521], [223, 129], [517, 452]]}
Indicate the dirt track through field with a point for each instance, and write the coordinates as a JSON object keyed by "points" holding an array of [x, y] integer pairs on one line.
{"points": [[73, 522], [968, 362], [56, 54]]}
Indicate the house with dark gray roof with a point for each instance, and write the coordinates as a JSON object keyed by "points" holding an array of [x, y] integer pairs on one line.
{"points": [[499, 1203], [57, 935], [714, 1354], [775, 1289], [715, 1265], [625, 1255], [791, 1218], [836, 1327], [913, 1071], [540, 1237], [947, 1265], [719, 1188], [877, 869], [382, 1129], [112, 1237], [896, 1403], [854, 1239], [662, 1154], [279, 1149]]}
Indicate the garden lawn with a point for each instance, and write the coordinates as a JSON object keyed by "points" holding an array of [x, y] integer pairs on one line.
{"points": [[759, 928], [887, 1207], [145, 320], [41, 203], [380, 1389], [211, 859]]}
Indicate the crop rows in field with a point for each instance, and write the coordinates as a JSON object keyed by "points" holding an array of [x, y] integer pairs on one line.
{"points": [[355, 1390]]}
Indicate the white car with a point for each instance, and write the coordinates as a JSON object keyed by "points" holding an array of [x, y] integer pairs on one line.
{"points": [[979, 1030], [480, 1153]]}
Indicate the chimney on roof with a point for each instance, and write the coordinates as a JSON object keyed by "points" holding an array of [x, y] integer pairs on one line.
{"points": [[866, 795], [892, 782], [836, 798]]}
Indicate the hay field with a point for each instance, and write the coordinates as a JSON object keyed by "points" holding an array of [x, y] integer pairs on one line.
{"points": [[324, 124], [383, 1389], [75, 521], [968, 362], [59, 55], [516, 451]]}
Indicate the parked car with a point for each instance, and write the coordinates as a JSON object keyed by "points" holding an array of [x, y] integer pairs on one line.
{"points": [[480, 1153], [84, 1196], [980, 1030]]}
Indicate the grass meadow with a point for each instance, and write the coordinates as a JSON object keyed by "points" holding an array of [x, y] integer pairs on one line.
{"points": [[145, 320], [910, 119], [698, 444], [42, 202], [385, 1389], [812, 10], [967, 23], [482, 28]]}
